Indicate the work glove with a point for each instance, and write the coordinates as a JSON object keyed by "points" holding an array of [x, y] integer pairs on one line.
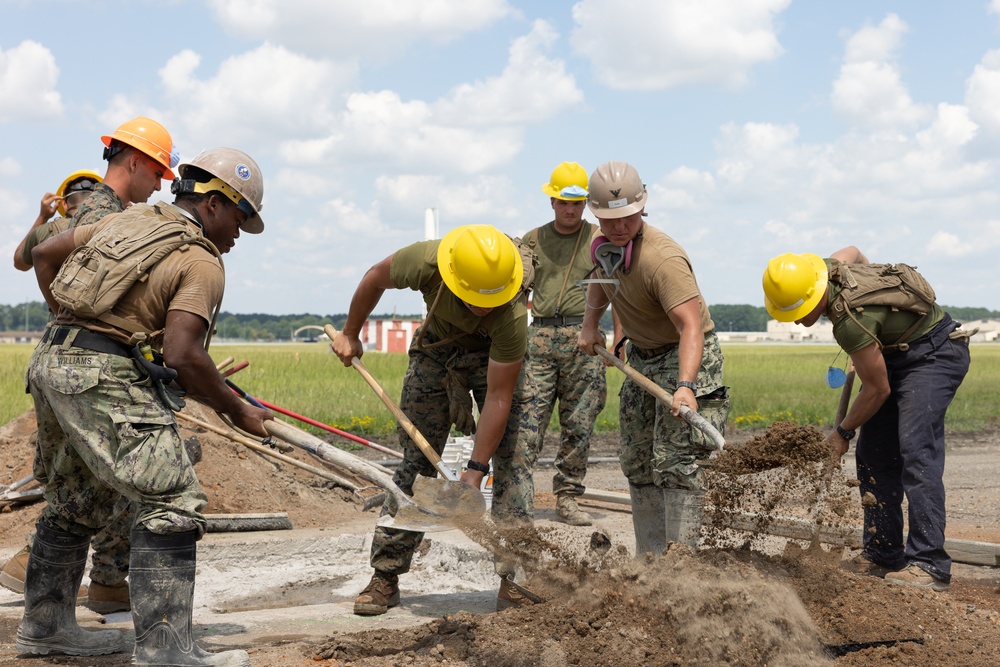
{"points": [[459, 403], [163, 378]]}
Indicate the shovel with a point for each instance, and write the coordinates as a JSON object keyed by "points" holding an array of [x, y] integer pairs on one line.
{"points": [[686, 413], [449, 496], [419, 518]]}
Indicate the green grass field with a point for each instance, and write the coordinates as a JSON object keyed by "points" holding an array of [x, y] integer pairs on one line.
{"points": [[769, 383]]}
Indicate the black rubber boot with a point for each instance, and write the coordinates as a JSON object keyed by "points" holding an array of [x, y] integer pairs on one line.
{"points": [[51, 581], [161, 568]]}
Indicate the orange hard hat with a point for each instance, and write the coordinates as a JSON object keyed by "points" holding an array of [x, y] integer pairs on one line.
{"points": [[148, 136]]}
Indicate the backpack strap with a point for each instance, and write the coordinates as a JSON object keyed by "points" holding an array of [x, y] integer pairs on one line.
{"points": [[840, 273]]}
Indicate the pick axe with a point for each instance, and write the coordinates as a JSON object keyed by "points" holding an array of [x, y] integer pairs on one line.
{"points": [[664, 396]]}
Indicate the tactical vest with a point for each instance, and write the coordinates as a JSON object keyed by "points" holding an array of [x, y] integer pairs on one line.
{"points": [[96, 275], [897, 286]]}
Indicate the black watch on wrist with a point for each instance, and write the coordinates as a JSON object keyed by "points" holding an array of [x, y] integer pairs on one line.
{"points": [[845, 434], [693, 386], [478, 467]]}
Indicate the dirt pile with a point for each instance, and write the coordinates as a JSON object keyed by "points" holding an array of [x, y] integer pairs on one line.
{"points": [[729, 603]]}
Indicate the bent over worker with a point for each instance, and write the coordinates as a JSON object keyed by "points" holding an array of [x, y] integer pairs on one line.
{"points": [[910, 365], [473, 338], [561, 371], [648, 278], [105, 426]]}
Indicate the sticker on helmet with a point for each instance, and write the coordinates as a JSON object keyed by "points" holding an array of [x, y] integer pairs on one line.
{"points": [[243, 172]]}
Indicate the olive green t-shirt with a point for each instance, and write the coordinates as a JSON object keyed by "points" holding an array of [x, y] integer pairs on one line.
{"points": [[415, 267], [555, 255], [887, 324], [42, 233], [660, 278]]}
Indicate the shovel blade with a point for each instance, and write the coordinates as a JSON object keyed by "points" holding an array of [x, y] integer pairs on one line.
{"points": [[413, 519], [457, 502]]}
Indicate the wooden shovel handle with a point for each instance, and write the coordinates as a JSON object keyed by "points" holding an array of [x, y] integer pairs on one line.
{"points": [[664, 396], [404, 421]]}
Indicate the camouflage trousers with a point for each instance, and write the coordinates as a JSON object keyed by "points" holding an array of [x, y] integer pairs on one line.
{"points": [[104, 435], [425, 402], [656, 447], [565, 373]]}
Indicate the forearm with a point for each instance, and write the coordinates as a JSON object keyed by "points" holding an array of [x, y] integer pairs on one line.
{"points": [[592, 315], [491, 427], [369, 292], [690, 352]]}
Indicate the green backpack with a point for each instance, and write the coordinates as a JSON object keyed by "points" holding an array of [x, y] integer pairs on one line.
{"points": [[97, 275], [898, 286]]}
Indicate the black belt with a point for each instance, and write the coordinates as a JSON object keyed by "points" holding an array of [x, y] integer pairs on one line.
{"points": [[562, 321], [88, 340], [655, 352]]}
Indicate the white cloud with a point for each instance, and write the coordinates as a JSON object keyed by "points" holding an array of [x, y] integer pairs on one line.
{"points": [[485, 198], [375, 28], [9, 167], [268, 91], [949, 245], [28, 77], [982, 91], [869, 91], [531, 88], [657, 44]]}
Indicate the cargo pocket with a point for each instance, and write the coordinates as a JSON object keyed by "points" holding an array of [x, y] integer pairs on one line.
{"points": [[72, 378], [150, 454]]}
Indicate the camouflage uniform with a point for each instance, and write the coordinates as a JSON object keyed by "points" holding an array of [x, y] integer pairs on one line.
{"points": [[111, 545], [657, 448], [104, 432], [425, 401], [562, 371], [96, 206]]}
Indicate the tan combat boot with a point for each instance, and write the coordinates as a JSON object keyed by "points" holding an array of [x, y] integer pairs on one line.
{"points": [[12, 575], [568, 512], [511, 595], [381, 593], [109, 599]]}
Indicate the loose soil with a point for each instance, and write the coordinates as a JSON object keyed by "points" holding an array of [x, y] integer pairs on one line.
{"points": [[741, 599]]}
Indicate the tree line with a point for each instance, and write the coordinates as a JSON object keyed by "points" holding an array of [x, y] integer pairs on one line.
{"points": [[34, 315]]}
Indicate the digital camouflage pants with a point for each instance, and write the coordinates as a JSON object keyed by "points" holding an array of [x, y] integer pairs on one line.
{"points": [[563, 372], [656, 447], [104, 434], [425, 402]]}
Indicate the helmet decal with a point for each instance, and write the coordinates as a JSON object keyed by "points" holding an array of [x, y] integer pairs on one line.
{"points": [[243, 172]]}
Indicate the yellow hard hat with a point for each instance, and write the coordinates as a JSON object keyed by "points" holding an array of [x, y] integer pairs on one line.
{"points": [[567, 182], [793, 285], [480, 265], [82, 180], [148, 136]]}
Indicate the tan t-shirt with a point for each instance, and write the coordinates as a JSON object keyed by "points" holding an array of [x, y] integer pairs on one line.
{"points": [[415, 267], [191, 280], [42, 233], [660, 279]]}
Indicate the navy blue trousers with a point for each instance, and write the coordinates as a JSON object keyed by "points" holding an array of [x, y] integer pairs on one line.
{"points": [[901, 453]]}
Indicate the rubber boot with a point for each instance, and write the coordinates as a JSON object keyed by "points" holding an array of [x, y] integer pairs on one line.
{"points": [[684, 514], [570, 513], [55, 569], [161, 568], [648, 519], [12, 575]]}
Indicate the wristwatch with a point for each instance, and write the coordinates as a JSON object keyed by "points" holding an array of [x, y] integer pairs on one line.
{"points": [[478, 467], [693, 386], [845, 434]]}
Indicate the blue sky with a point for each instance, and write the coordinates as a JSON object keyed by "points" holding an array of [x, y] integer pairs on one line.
{"points": [[759, 126]]}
